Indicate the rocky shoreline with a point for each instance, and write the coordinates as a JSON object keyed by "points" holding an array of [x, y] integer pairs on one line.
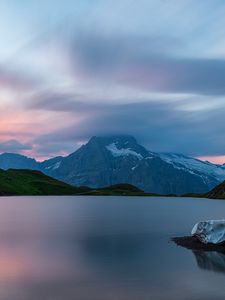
{"points": [[193, 243]]}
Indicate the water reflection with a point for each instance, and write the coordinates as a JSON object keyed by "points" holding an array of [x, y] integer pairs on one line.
{"points": [[210, 260], [101, 249], [125, 248]]}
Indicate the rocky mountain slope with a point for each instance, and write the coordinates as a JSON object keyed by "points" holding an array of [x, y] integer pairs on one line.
{"points": [[17, 161], [217, 192]]}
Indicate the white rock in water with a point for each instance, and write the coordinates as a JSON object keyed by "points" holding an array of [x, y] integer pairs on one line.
{"points": [[212, 231]]}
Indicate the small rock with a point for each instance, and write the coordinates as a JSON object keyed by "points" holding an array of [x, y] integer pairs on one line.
{"points": [[212, 231]]}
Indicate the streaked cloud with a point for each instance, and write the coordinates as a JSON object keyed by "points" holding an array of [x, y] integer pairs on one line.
{"points": [[202, 129], [146, 63], [153, 69]]}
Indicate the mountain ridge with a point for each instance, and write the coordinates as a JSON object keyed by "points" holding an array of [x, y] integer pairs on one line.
{"points": [[110, 160]]}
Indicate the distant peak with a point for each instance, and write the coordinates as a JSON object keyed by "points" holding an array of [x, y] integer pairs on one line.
{"points": [[120, 140], [12, 154], [119, 145]]}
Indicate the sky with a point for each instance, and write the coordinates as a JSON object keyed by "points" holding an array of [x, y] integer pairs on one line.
{"points": [[72, 69]]}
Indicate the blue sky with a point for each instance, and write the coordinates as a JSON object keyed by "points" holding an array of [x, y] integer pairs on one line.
{"points": [[73, 69]]}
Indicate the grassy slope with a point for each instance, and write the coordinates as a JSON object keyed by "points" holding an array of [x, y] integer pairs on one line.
{"points": [[29, 182], [122, 189]]}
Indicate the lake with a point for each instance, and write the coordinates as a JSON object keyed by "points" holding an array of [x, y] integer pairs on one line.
{"points": [[106, 248]]}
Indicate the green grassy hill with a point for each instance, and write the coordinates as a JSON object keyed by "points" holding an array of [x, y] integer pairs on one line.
{"points": [[29, 182], [117, 189]]}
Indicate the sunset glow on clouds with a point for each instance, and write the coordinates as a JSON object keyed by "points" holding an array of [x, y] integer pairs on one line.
{"points": [[214, 159], [73, 69]]}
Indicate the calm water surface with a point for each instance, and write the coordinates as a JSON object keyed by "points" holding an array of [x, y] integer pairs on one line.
{"points": [[106, 248]]}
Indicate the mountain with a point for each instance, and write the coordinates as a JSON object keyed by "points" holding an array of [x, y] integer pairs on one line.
{"points": [[209, 172], [30, 182], [51, 164], [17, 161], [106, 161]]}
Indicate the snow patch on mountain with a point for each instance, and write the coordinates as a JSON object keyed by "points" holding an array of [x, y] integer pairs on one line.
{"points": [[193, 165], [116, 152], [54, 167], [133, 168]]}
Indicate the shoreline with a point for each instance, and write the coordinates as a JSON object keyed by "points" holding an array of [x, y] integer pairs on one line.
{"points": [[192, 243]]}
